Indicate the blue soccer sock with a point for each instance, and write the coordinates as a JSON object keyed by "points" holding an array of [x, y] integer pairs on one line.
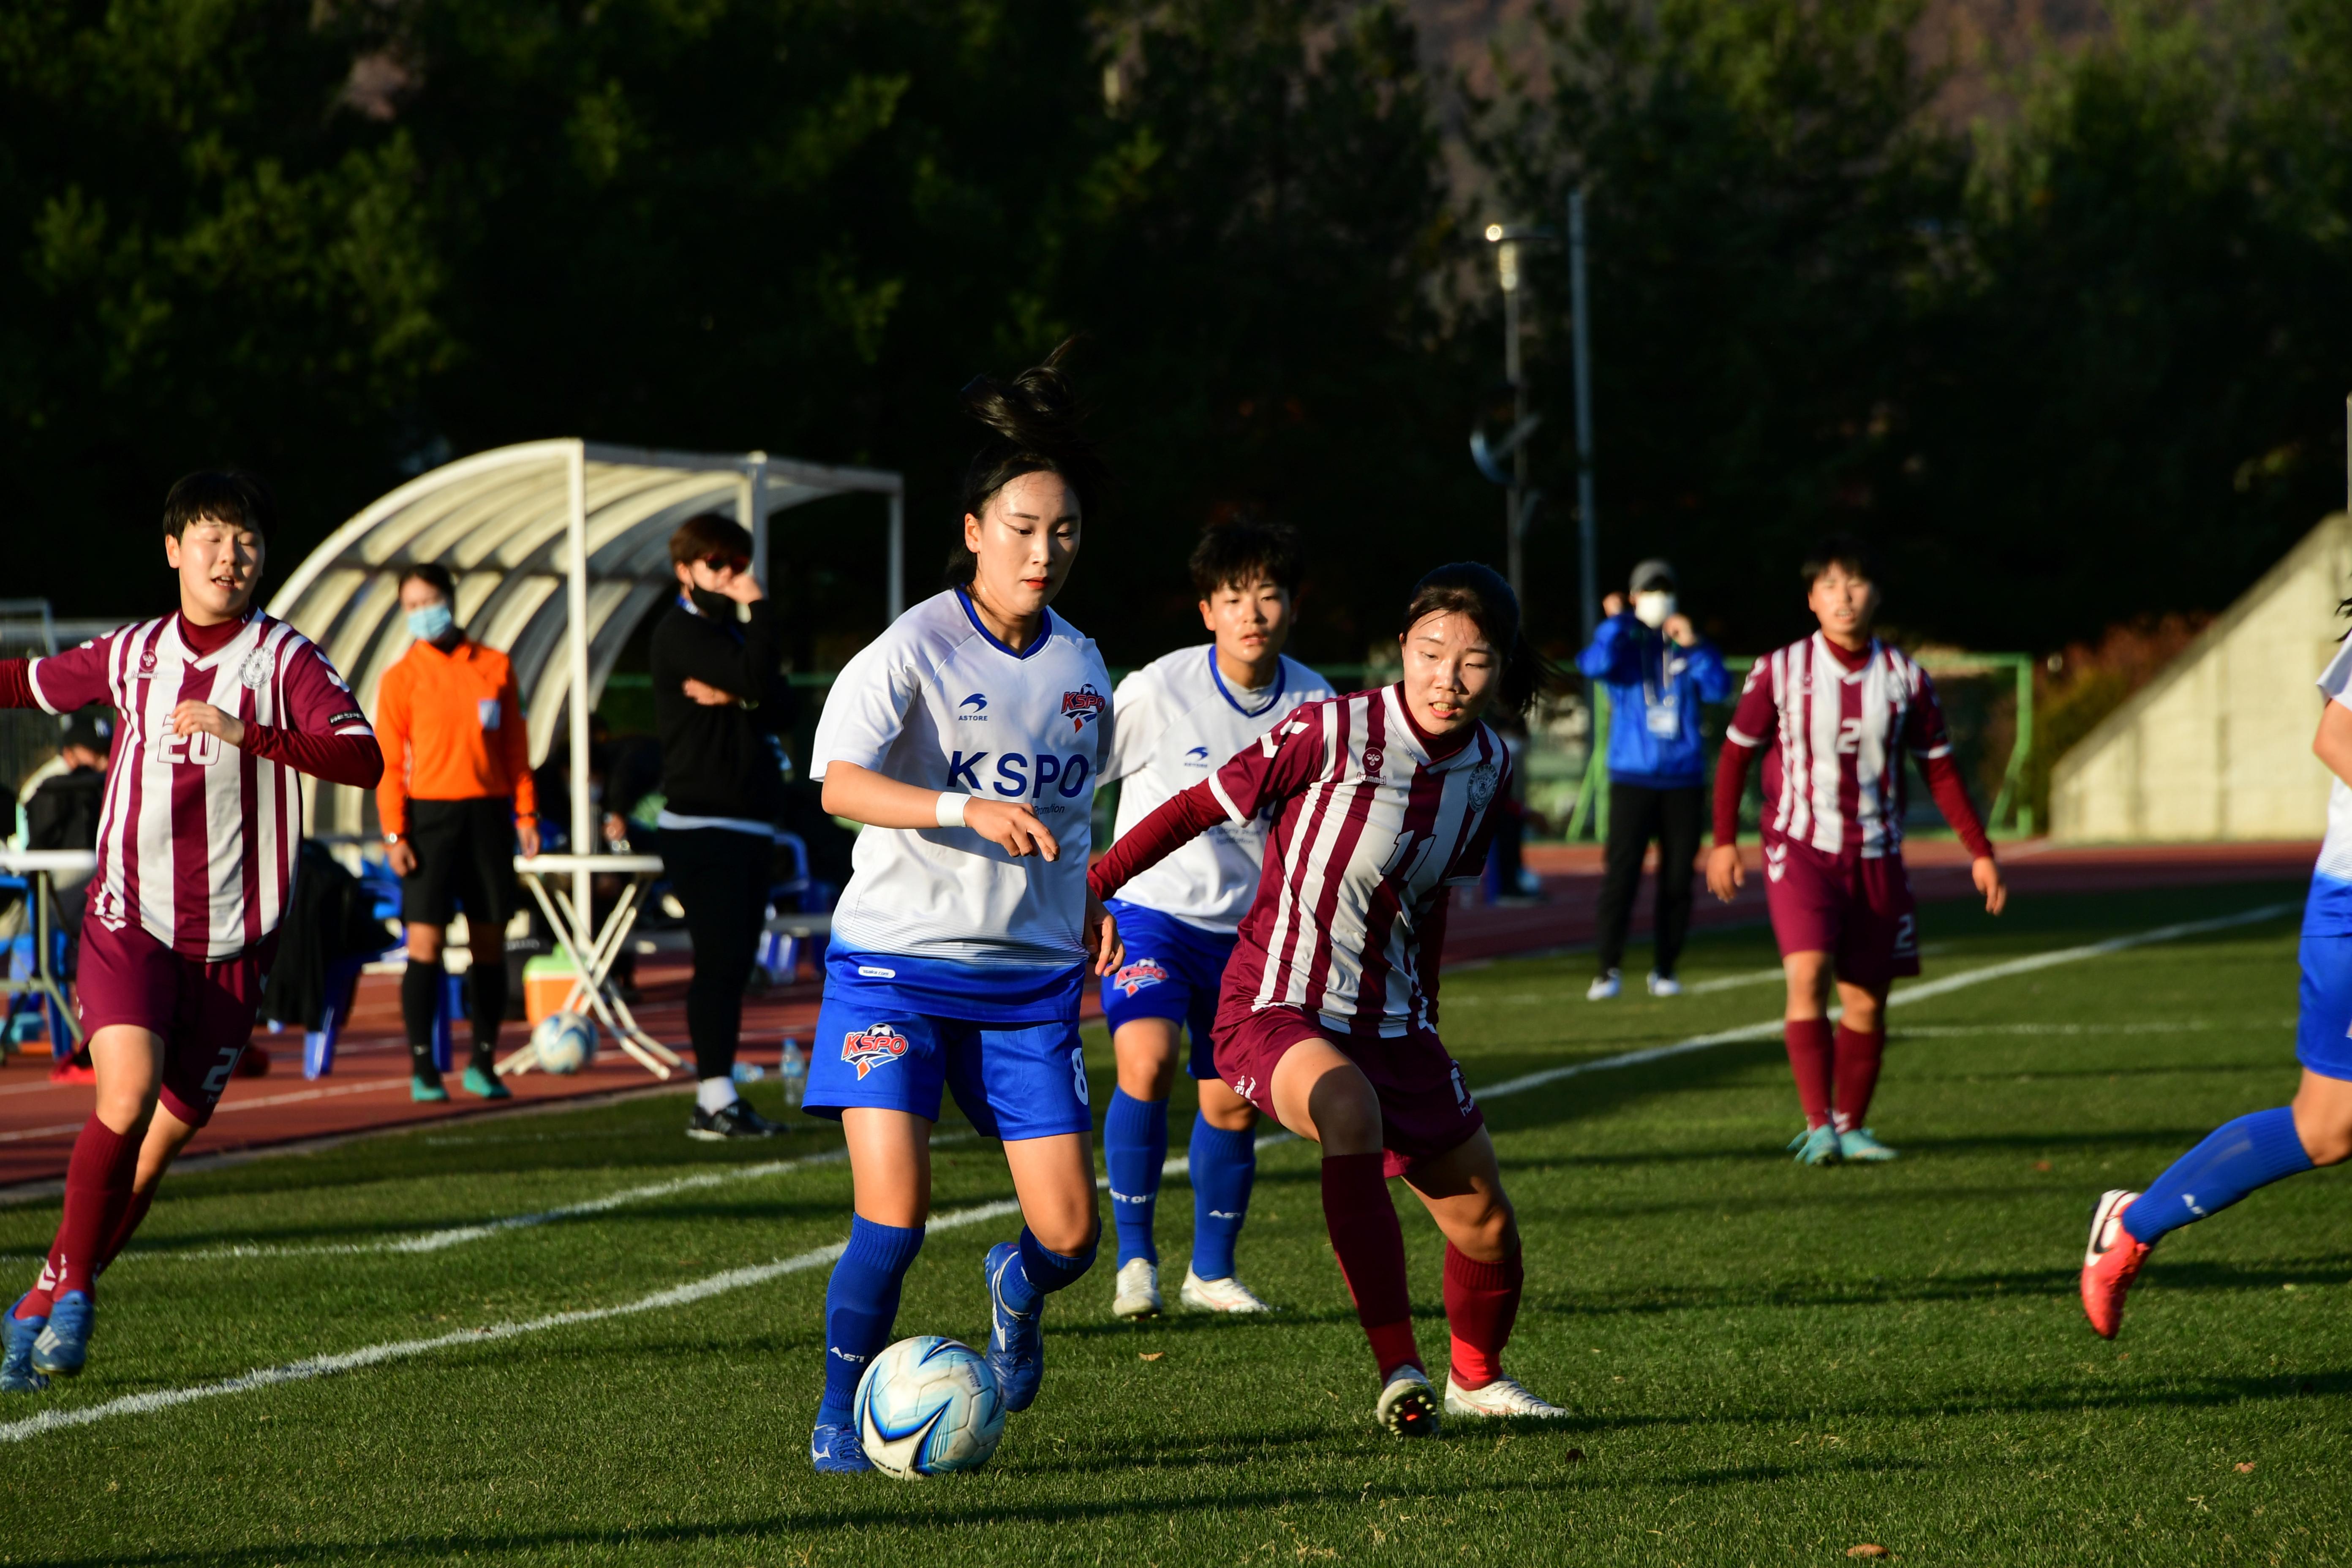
{"points": [[2252, 1151], [1224, 1166], [861, 1304], [1135, 1147], [1042, 1272]]}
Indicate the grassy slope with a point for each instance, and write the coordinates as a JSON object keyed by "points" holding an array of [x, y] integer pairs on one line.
{"points": [[1768, 1364]]}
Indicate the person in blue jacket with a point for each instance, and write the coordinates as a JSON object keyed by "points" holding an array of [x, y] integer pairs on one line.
{"points": [[1658, 671]]}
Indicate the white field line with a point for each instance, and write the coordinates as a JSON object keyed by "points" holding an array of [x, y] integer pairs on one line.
{"points": [[760, 1274]]}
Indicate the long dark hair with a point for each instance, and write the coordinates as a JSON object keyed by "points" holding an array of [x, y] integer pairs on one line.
{"points": [[1033, 422], [1467, 588]]}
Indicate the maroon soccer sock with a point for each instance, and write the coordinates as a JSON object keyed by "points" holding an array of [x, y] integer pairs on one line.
{"points": [[98, 1191], [134, 1211], [1809, 1060], [1858, 1056], [1370, 1246], [1482, 1302]]}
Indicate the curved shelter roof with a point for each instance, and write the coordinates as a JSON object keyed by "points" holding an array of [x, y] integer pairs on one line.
{"points": [[542, 538]]}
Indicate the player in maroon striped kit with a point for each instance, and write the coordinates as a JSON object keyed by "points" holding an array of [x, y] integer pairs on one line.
{"points": [[1833, 715], [221, 708], [1383, 801]]}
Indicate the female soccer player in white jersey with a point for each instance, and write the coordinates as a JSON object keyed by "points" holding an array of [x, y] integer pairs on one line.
{"points": [[967, 738], [221, 708], [1834, 714], [1382, 801], [1178, 717], [2267, 1146]]}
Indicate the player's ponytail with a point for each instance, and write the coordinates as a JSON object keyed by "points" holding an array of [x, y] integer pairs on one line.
{"points": [[1034, 426], [1467, 588]]}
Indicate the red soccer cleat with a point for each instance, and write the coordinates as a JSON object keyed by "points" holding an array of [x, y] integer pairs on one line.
{"points": [[2110, 1263]]}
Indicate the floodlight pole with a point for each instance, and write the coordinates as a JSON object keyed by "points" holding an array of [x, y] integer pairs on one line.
{"points": [[583, 830], [898, 595], [1506, 270], [753, 504], [1587, 525]]}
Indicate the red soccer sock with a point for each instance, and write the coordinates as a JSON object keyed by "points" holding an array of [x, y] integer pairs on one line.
{"points": [[98, 1192], [133, 1212], [1482, 1302], [1809, 1060], [1370, 1246], [1858, 1056]]}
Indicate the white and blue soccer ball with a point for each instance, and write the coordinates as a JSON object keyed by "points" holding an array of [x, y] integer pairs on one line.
{"points": [[929, 1406], [564, 1042]]}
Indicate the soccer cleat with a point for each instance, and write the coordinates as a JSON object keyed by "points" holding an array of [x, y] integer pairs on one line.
{"points": [[1016, 1341], [64, 1345], [1408, 1406], [1817, 1145], [1504, 1396], [1604, 987], [1137, 1293], [734, 1120], [1665, 984], [835, 1450], [1860, 1144], [2110, 1263], [1226, 1295], [16, 1337], [485, 1085], [425, 1091]]}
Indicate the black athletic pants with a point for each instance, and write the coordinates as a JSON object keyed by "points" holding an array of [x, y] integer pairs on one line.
{"points": [[720, 877], [1636, 815]]}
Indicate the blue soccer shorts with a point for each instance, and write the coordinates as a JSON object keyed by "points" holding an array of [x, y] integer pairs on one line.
{"points": [[1012, 1080], [2323, 1035], [1173, 971]]}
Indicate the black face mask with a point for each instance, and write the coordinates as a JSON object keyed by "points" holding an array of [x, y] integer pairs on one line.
{"points": [[717, 606]]}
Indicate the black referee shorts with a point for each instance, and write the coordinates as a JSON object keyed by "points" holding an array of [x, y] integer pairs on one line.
{"points": [[465, 854]]}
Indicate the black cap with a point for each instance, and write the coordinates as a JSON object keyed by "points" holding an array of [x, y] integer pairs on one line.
{"points": [[92, 729], [1653, 572]]}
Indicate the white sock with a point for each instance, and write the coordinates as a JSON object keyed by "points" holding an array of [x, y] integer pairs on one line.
{"points": [[714, 1094]]}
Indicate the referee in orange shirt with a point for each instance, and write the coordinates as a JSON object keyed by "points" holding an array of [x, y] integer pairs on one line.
{"points": [[456, 796]]}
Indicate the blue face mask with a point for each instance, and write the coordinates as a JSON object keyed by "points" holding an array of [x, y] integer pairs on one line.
{"points": [[428, 623]]}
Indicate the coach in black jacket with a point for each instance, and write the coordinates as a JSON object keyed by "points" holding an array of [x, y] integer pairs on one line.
{"points": [[718, 706]]}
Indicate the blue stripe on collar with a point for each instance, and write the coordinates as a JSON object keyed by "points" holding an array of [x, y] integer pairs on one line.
{"points": [[1044, 629], [1281, 681]]}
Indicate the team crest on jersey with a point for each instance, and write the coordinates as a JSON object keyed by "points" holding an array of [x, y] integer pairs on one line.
{"points": [[1373, 757], [1083, 704], [1482, 785], [876, 1046], [1143, 972], [255, 671]]}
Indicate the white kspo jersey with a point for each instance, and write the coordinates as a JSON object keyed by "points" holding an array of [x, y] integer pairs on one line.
{"points": [[2335, 850], [197, 839], [938, 702], [1178, 720], [1835, 779]]}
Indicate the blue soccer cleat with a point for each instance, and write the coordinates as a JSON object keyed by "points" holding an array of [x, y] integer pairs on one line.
{"points": [[835, 1450], [16, 1337], [64, 1345], [1016, 1341], [485, 1085], [1862, 1145], [425, 1091], [1817, 1146]]}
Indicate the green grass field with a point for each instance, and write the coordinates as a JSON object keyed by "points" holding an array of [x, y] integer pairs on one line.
{"points": [[1767, 1364]]}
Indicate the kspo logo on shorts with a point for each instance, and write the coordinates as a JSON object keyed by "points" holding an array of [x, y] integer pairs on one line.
{"points": [[201, 750], [878, 1044], [1018, 776], [1143, 972]]}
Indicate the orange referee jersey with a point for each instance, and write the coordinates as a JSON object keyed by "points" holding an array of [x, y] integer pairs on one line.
{"points": [[451, 727]]}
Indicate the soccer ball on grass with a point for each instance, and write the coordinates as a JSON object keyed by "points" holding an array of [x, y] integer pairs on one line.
{"points": [[564, 1042], [929, 1406]]}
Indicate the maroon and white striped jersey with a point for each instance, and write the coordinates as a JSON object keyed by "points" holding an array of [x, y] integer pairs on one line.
{"points": [[1834, 777], [197, 838], [1369, 833]]}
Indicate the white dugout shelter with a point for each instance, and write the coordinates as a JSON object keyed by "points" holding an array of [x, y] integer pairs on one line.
{"points": [[558, 549]]}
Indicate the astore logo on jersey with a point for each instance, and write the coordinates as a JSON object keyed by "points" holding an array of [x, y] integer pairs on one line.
{"points": [[1018, 775], [972, 710], [1198, 756], [201, 750], [1083, 704], [877, 1045]]}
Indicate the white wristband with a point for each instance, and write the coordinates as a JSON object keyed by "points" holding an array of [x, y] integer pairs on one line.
{"points": [[950, 808]]}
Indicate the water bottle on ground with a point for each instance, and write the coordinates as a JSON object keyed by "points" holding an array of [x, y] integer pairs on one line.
{"points": [[792, 1069]]}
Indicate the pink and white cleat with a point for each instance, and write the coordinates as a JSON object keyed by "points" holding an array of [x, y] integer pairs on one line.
{"points": [[2110, 1263], [1504, 1396]]}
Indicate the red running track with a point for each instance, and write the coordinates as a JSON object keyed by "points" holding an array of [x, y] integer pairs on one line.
{"points": [[369, 1089]]}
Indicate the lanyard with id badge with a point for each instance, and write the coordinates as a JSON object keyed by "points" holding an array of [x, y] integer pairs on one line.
{"points": [[1659, 703]]}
